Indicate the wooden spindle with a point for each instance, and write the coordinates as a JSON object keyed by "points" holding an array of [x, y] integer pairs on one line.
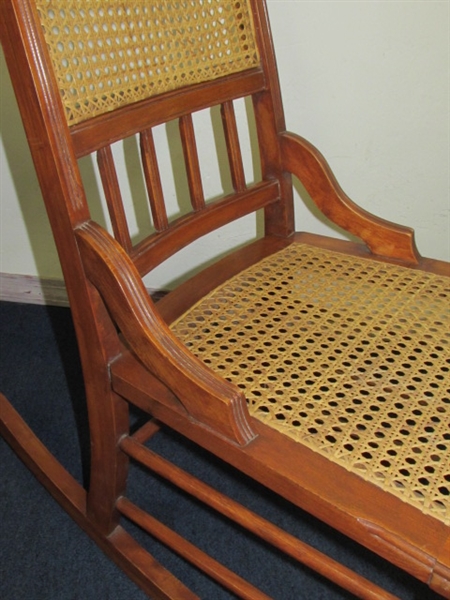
{"points": [[192, 163], [233, 146], [113, 197], [153, 181]]}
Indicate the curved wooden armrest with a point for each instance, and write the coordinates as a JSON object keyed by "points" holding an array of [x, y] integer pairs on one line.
{"points": [[383, 238], [209, 399]]}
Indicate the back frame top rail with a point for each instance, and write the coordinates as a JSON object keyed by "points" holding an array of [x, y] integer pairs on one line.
{"points": [[89, 136]]}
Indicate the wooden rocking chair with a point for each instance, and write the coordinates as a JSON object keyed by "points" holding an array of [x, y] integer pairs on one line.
{"points": [[317, 367]]}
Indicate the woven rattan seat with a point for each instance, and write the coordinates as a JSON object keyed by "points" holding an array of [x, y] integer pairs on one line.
{"points": [[316, 367], [329, 354]]}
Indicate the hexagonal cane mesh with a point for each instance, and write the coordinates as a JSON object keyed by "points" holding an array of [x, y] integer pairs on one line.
{"points": [[109, 53], [347, 356]]}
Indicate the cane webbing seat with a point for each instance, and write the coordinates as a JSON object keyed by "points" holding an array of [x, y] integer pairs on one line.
{"points": [[331, 355], [317, 367]]}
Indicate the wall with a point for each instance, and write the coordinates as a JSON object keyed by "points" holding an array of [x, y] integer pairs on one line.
{"points": [[367, 82]]}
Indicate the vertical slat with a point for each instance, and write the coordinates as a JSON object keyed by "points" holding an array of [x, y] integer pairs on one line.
{"points": [[113, 196], [192, 162], [153, 181], [233, 146]]}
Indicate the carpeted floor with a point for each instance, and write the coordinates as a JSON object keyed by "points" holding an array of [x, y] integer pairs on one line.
{"points": [[44, 555]]}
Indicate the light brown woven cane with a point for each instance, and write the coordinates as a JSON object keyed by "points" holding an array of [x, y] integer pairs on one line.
{"points": [[110, 53], [348, 356]]}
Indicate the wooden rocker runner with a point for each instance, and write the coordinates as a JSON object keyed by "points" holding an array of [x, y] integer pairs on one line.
{"points": [[318, 367]]}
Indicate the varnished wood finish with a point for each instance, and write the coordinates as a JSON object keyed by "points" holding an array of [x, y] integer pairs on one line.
{"points": [[208, 398], [129, 353], [155, 249], [89, 136], [152, 577], [190, 552], [254, 523], [113, 197], [382, 237], [192, 163], [153, 181], [233, 146]]}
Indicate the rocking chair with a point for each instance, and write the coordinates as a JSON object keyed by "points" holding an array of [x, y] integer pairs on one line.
{"points": [[318, 367]]}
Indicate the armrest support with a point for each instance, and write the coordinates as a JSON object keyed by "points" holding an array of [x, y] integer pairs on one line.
{"points": [[209, 399], [383, 238]]}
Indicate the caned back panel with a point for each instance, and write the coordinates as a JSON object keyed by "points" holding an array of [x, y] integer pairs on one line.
{"points": [[109, 54]]}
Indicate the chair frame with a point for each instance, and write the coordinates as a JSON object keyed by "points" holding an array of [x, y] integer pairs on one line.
{"points": [[106, 293]]}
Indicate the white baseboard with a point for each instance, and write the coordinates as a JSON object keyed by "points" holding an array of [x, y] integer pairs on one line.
{"points": [[29, 289]]}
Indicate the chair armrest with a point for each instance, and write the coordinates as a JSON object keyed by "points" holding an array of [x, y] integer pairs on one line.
{"points": [[208, 398], [384, 238]]}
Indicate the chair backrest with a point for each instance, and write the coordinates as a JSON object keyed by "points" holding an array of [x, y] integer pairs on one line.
{"points": [[104, 72]]}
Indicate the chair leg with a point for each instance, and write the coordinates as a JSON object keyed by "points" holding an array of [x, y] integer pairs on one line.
{"points": [[137, 563], [108, 422]]}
